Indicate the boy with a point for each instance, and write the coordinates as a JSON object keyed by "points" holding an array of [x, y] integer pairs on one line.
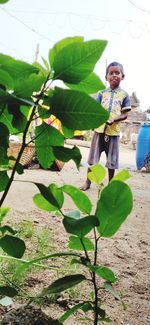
{"points": [[106, 137]]}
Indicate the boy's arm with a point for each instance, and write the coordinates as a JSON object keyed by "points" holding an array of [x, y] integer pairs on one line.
{"points": [[123, 116], [126, 107]]}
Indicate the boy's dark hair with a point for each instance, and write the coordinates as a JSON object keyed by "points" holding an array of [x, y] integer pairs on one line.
{"points": [[115, 64]]}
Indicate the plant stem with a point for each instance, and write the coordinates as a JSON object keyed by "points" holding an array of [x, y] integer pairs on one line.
{"points": [[23, 144], [18, 158], [94, 282]]}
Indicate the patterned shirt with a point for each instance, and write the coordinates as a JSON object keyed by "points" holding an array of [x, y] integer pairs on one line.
{"points": [[115, 102]]}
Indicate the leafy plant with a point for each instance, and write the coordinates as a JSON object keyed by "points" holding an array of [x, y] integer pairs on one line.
{"points": [[27, 95]]}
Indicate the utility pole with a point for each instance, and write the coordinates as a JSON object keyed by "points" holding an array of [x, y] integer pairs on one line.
{"points": [[37, 53]]}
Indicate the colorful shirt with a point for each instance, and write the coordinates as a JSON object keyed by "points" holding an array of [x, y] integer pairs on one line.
{"points": [[115, 102]]}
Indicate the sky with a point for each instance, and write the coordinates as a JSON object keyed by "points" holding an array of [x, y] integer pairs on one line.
{"points": [[34, 24]]}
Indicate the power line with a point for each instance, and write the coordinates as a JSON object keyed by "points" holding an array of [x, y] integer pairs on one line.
{"points": [[25, 25], [136, 6]]}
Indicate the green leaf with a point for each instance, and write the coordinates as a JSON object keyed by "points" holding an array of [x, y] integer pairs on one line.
{"points": [[4, 132], [16, 68], [3, 212], [73, 214], [13, 246], [77, 110], [90, 85], [110, 289], [19, 169], [80, 199], [28, 264], [60, 45], [66, 154], [80, 227], [24, 87], [8, 291], [47, 136], [45, 64], [3, 180], [7, 229], [77, 60], [123, 175], [6, 118], [43, 204], [49, 195], [68, 133], [43, 112], [6, 80], [75, 243], [70, 312], [96, 174], [3, 1], [111, 215], [63, 284], [103, 272], [11, 100], [19, 120]]}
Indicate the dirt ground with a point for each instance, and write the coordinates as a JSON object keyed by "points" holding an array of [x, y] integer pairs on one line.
{"points": [[127, 253]]}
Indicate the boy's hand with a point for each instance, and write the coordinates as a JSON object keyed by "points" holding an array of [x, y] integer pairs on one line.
{"points": [[110, 122]]}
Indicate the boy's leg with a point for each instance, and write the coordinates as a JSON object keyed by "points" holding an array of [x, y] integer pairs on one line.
{"points": [[87, 183], [111, 173], [94, 156], [112, 153]]}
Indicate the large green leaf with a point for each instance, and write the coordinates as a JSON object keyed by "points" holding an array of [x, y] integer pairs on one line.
{"points": [[6, 118], [63, 284], [77, 110], [80, 199], [80, 227], [75, 243], [90, 85], [9, 99], [114, 206], [19, 120], [6, 80], [47, 136], [50, 195], [97, 173], [3, 159], [24, 87], [16, 68], [13, 246], [77, 60], [60, 45], [66, 154], [3, 180], [43, 204], [4, 138]]}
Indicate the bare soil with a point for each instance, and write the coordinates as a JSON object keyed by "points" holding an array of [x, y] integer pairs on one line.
{"points": [[127, 253]]}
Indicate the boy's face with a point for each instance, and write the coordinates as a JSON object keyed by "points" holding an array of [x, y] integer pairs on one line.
{"points": [[114, 76]]}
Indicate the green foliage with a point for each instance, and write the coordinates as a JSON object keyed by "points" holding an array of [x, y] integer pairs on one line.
{"points": [[112, 215], [77, 110], [3, 1], [96, 174], [27, 95], [13, 246], [63, 284], [76, 244]]}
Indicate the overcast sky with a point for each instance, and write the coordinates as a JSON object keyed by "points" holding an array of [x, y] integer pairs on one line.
{"points": [[124, 23]]}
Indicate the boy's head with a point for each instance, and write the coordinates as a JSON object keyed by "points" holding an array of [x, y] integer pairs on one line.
{"points": [[114, 74]]}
